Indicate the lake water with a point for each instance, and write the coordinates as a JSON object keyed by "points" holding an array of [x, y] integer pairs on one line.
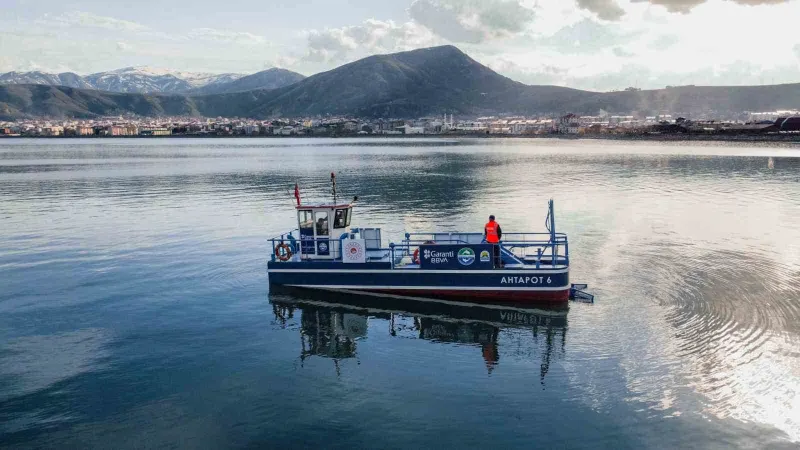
{"points": [[135, 310]]}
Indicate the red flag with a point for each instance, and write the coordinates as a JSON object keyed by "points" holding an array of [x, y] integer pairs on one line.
{"points": [[297, 194]]}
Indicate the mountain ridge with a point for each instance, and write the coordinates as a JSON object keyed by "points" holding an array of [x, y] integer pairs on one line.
{"points": [[148, 80], [266, 79], [407, 84]]}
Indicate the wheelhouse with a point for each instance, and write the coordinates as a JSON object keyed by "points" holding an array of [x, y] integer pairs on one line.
{"points": [[320, 227]]}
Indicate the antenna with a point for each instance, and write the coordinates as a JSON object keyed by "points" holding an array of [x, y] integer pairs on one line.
{"points": [[333, 184]]}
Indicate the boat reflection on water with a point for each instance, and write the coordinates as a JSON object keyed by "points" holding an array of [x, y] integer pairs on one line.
{"points": [[332, 323]]}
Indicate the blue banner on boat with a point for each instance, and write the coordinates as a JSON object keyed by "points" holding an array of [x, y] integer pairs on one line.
{"points": [[456, 257], [323, 247]]}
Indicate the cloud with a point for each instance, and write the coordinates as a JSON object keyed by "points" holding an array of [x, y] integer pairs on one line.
{"points": [[684, 6], [621, 52], [605, 9], [611, 10], [372, 36], [89, 20], [471, 21], [633, 73], [586, 36], [664, 42], [227, 36]]}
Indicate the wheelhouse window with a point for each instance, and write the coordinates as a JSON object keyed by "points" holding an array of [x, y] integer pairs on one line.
{"points": [[342, 218], [322, 224], [306, 223]]}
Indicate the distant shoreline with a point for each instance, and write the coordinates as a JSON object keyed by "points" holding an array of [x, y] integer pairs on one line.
{"points": [[791, 138]]}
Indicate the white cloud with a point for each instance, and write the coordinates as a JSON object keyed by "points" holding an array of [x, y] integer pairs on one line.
{"points": [[372, 36], [664, 41], [472, 21], [612, 10], [89, 20], [587, 36], [605, 9], [227, 36], [684, 6], [609, 71]]}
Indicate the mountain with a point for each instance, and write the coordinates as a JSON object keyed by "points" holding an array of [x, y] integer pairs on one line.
{"points": [[408, 84], [201, 79], [414, 83], [267, 79], [30, 100], [694, 101], [62, 79], [129, 79]]}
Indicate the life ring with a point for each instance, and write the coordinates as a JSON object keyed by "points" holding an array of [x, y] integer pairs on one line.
{"points": [[283, 251], [415, 257]]}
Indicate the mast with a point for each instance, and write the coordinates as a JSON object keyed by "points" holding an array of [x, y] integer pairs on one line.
{"points": [[333, 184]]}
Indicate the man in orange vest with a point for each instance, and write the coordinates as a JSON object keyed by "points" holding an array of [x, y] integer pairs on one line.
{"points": [[493, 233]]}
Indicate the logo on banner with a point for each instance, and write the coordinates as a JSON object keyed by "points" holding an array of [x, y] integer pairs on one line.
{"points": [[466, 256], [323, 247], [437, 257], [485, 256], [353, 251]]}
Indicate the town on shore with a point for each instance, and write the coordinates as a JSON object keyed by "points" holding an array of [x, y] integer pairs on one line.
{"points": [[775, 123]]}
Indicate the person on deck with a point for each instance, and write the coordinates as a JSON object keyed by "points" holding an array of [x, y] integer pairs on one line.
{"points": [[493, 233]]}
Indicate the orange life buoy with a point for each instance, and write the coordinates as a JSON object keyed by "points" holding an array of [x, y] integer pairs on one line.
{"points": [[283, 251]]}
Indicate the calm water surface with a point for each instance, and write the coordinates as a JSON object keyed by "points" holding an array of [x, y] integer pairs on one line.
{"points": [[135, 310]]}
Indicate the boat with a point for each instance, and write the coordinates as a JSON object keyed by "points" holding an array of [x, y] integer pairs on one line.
{"points": [[325, 252]]}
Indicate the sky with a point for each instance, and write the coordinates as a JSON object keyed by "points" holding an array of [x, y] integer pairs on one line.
{"points": [[598, 45]]}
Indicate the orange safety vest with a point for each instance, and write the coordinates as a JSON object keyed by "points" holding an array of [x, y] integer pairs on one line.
{"points": [[491, 232]]}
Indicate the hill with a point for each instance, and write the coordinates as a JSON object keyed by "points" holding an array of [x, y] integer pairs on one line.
{"points": [[408, 84], [129, 79], [20, 101], [267, 79], [61, 79], [413, 83], [694, 101]]}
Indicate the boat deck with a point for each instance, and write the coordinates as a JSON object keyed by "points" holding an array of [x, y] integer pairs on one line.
{"points": [[518, 251]]}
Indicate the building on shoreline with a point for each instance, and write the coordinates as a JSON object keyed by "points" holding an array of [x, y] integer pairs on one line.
{"points": [[159, 131], [567, 124]]}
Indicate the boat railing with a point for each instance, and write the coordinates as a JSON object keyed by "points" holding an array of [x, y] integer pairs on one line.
{"points": [[541, 249], [289, 239], [538, 248], [530, 248], [307, 248]]}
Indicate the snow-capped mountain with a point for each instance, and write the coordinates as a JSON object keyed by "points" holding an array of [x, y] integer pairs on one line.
{"points": [[61, 79], [268, 79], [129, 79], [207, 79]]}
